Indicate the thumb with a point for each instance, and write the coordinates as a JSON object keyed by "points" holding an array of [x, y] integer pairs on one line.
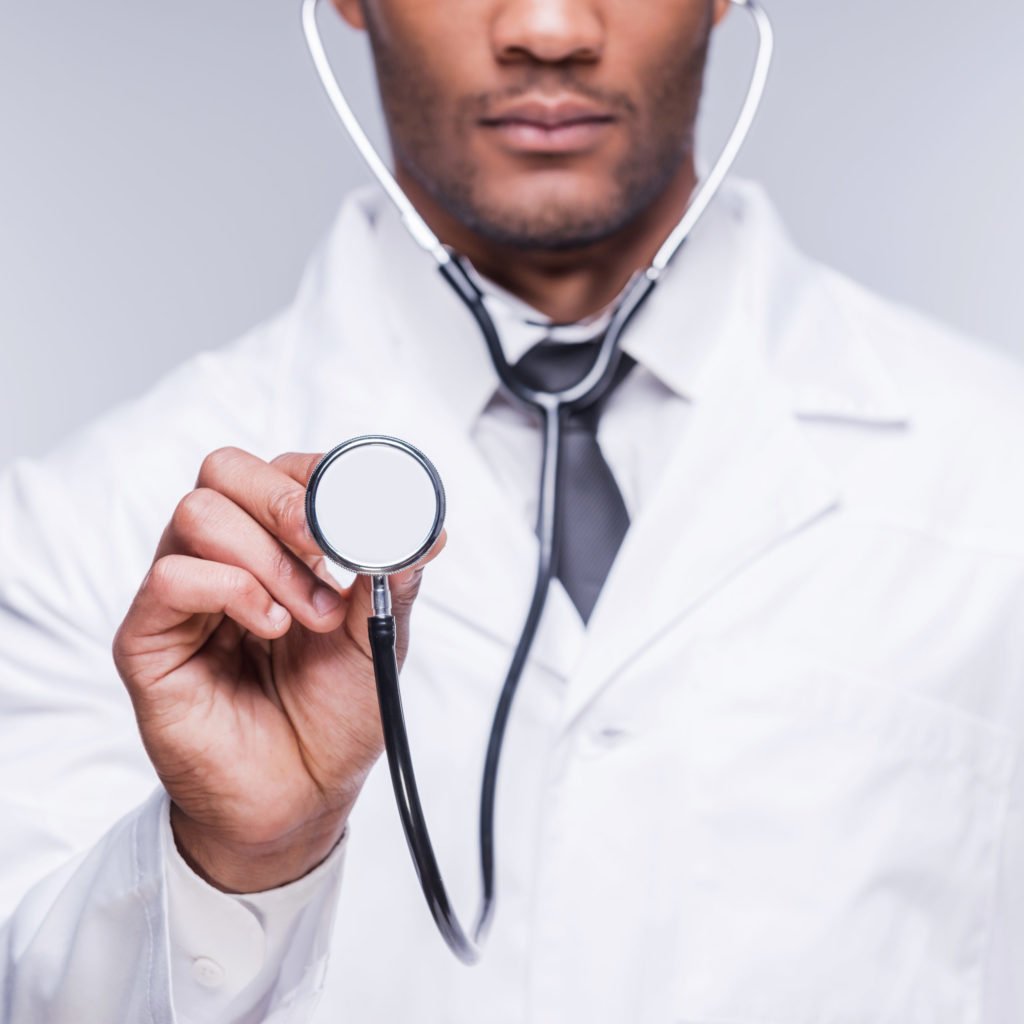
{"points": [[404, 587]]}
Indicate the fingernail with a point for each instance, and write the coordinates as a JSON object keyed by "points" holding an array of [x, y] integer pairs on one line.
{"points": [[277, 614], [325, 600]]}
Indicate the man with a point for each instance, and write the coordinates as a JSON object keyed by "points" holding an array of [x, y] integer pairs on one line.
{"points": [[771, 775]]}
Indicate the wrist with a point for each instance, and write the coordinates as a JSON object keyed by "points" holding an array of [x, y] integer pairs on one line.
{"points": [[235, 867]]}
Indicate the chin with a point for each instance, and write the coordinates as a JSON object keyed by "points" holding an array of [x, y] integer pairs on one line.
{"points": [[537, 216]]}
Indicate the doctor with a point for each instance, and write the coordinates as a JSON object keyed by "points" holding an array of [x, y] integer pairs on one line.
{"points": [[769, 772]]}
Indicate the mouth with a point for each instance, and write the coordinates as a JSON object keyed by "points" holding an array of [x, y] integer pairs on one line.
{"points": [[549, 127]]}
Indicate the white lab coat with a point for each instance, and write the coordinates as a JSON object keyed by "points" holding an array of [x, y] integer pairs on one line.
{"points": [[777, 780]]}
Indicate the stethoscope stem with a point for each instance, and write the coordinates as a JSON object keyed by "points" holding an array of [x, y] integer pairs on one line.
{"points": [[381, 595]]}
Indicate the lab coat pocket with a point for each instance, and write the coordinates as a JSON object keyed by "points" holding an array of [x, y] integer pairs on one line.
{"points": [[842, 838]]}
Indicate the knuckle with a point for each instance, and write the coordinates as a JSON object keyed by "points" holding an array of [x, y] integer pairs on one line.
{"points": [[281, 564], [163, 575], [193, 512], [287, 511], [241, 585], [216, 463], [406, 594]]}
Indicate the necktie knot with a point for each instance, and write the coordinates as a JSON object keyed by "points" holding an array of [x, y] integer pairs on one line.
{"points": [[554, 366], [591, 518]]}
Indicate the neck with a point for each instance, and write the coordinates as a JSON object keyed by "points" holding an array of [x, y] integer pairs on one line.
{"points": [[572, 284]]}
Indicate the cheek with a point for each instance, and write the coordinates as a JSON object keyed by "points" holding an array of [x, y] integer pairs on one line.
{"points": [[659, 57], [439, 43], [428, 86]]}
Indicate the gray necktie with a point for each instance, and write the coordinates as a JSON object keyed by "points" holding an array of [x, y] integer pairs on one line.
{"points": [[593, 517]]}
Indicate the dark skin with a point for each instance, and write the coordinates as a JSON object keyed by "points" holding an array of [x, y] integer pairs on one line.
{"points": [[550, 141], [562, 225]]}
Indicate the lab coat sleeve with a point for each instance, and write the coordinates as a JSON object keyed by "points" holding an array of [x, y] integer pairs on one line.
{"points": [[257, 957], [128, 932], [84, 923], [85, 943]]}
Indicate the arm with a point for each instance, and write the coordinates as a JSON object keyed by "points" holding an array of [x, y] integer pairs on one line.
{"points": [[86, 915], [244, 958]]}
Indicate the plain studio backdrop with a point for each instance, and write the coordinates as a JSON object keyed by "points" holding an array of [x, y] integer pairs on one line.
{"points": [[167, 169]]}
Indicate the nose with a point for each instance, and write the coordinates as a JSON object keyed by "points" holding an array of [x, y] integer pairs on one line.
{"points": [[548, 31]]}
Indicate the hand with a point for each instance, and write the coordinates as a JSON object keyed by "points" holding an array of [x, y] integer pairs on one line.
{"points": [[250, 673]]}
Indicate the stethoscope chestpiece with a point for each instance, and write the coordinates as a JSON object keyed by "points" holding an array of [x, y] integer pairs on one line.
{"points": [[375, 504]]}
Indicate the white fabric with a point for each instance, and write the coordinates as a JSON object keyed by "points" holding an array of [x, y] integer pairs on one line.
{"points": [[776, 780], [233, 957]]}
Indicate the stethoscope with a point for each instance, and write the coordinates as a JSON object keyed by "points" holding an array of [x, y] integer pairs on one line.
{"points": [[388, 534]]}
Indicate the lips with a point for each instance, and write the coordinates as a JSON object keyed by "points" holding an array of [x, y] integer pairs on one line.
{"points": [[560, 126]]}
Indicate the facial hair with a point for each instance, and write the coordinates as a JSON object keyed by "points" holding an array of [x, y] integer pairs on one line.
{"points": [[661, 140]]}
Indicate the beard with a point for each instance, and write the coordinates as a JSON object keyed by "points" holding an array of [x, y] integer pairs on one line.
{"points": [[549, 224], [430, 138]]}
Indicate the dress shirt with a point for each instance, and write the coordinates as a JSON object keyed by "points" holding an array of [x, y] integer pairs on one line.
{"points": [[776, 779]]}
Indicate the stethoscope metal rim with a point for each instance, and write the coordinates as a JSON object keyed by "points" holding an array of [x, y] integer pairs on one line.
{"points": [[362, 441]]}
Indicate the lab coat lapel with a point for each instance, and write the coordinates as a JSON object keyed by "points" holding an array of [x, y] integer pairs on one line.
{"points": [[743, 476], [743, 479]]}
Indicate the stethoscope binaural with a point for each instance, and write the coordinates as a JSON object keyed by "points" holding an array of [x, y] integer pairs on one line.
{"points": [[368, 536]]}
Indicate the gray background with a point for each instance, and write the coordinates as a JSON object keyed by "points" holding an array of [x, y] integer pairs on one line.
{"points": [[167, 168]]}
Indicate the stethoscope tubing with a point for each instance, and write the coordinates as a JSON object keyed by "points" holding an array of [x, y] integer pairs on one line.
{"points": [[553, 408]]}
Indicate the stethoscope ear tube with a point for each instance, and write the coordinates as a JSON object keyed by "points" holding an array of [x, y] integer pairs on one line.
{"points": [[396, 744], [418, 228]]}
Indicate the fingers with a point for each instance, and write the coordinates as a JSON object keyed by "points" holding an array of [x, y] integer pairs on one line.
{"points": [[249, 515], [273, 495], [177, 589], [270, 492], [298, 465], [209, 525], [405, 585]]}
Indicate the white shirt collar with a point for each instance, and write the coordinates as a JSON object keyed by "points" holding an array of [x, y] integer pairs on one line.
{"points": [[738, 284]]}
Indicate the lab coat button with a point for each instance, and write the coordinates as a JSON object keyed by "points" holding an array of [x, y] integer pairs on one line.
{"points": [[207, 972], [603, 740], [610, 736]]}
